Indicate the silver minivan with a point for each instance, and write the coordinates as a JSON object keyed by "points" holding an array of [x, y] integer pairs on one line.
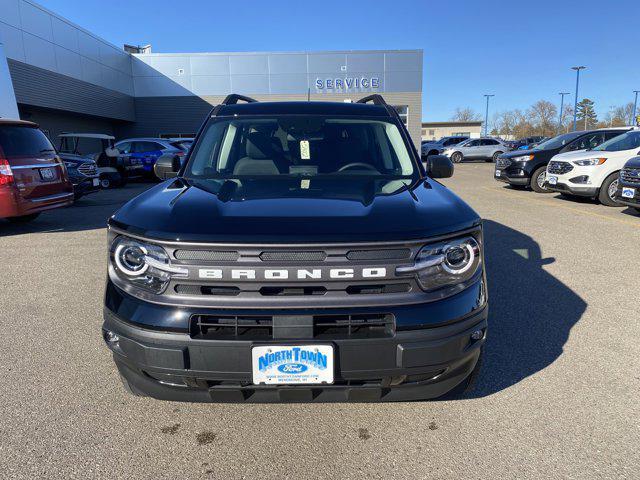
{"points": [[485, 148]]}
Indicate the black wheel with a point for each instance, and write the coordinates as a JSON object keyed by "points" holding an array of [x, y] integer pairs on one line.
{"points": [[130, 389], [456, 157], [537, 180], [494, 159], [608, 191], [105, 181], [24, 218]]}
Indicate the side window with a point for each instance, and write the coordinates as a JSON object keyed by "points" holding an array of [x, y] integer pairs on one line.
{"points": [[610, 135], [587, 141], [141, 147], [472, 143], [490, 142], [124, 147]]}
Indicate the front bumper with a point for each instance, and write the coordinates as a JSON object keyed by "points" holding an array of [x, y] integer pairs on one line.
{"points": [[85, 185], [513, 173], [411, 364]]}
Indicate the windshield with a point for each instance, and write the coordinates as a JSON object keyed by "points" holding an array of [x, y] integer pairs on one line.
{"points": [[559, 141], [628, 141], [306, 151]]}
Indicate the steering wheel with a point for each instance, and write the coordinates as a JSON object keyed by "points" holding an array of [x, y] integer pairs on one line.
{"points": [[358, 166]]}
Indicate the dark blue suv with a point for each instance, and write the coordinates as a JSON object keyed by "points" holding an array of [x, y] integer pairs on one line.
{"points": [[302, 253]]}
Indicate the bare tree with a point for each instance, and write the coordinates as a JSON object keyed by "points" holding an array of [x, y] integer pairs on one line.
{"points": [[543, 117], [465, 115]]}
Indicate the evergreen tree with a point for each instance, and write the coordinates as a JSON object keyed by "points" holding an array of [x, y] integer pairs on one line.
{"points": [[587, 117]]}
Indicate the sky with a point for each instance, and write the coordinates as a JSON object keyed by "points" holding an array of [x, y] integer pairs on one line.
{"points": [[519, 51]]}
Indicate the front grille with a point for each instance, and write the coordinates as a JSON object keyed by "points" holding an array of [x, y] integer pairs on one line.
{"points": [[88, 169], [559, 168], [502, 162], [630, 175], [320, 327]]}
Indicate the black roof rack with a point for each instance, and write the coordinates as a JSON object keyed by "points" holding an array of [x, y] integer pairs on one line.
{"points": [[234, 98], [376, 99]]}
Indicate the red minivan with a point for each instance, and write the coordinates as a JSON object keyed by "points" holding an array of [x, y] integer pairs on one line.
{"points": [[32, 176]]}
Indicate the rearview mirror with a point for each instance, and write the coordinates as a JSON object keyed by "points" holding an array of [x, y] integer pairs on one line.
{"points": [[439, 166]]}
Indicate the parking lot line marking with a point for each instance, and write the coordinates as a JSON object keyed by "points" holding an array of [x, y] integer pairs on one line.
{"points": [[582, 212]]}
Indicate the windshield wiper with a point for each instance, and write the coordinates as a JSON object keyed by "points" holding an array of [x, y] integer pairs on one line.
{"points": [[46, 150]]}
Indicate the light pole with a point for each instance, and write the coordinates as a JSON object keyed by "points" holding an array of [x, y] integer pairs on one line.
{"points": [[575, 103], [562, 94], [486, 114], [635, 106]]}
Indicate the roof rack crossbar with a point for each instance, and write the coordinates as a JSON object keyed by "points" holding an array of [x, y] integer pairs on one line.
{"points": [[376, 99], [234, 98]]}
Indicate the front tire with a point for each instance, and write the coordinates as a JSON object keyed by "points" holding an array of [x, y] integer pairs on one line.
{"points": [[608, 190], [456, 157], [494, 159], [537, 180]]}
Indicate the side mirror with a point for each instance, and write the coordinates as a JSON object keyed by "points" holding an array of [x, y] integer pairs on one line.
{"points": [[167, 166], [439, 166]]}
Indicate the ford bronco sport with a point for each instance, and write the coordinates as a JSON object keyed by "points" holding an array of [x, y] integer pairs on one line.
{"points": [[302, 253]]}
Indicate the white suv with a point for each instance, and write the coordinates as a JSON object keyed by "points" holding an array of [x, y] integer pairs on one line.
{"points": [[594, 172]]}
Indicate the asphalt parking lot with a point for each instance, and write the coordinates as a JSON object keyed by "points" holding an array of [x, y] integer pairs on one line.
{"points": [[557, 397]]}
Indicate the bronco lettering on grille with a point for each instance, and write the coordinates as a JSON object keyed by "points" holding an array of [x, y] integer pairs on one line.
{"points": [[287, 274]]}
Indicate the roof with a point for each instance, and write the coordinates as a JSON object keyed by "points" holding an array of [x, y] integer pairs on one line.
{"points": [[101, 136], [15, 121], [307, 108], [145, 139], [451, 124]]}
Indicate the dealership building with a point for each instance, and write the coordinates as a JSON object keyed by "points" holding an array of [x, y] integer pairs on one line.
{"points": [[67, 79]]}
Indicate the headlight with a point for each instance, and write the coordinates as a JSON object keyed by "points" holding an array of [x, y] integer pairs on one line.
{"points": [[142, 264], [522, 158], [445, 264], [590, 162]]}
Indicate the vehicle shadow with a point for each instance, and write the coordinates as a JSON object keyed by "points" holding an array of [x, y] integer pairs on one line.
{"points": [[531, 313], [87, 213], [632, 212]]}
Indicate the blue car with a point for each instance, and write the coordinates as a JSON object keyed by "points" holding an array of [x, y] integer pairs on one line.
{"points": [[148, 150]]}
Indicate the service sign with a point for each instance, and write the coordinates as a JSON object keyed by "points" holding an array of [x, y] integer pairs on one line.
{"points": [[292, 364]]}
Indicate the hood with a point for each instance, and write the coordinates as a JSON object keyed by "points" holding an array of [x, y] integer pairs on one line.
{"points": [[176, 210], [633, 163], [578, 155], [70, 157]]}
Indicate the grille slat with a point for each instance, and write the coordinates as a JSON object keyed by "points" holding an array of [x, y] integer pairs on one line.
{"points": [[88, 169], [385, 254], [503, 163], [207, 255], [325, 327], [292, 256], [630, 175], [559, 168]]}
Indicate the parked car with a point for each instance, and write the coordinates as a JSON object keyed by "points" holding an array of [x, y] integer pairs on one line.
{"points": [[148, 150], [593, 172], [529, 169], [439, 146], [527, 142], [485, 148], [114, 169], [628, 192], [32, 176], [304, 254], [83, 173]]}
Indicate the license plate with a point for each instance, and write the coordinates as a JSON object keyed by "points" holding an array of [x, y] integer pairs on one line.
{"points": [[628, 192], [292, 364], [552, 180], [47, 174], [96, 182], [498, 172]]}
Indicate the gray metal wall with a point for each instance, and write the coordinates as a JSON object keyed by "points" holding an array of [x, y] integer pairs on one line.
{"points": [[43, 88]]}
